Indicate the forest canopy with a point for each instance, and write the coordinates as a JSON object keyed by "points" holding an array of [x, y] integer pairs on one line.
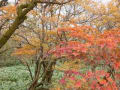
{"points": [[76, 39]]}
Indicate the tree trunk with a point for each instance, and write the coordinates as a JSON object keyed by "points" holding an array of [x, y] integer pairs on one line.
{"points": [[22, 11]]}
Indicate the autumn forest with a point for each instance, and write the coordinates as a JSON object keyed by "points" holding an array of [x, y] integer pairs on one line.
{"points": [[60, 45]]}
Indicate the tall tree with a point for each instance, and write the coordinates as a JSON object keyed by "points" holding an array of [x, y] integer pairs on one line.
{"points": [[22, 11]]}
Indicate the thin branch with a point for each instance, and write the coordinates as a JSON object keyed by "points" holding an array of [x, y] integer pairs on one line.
{"points": [[29, 70], [25, 39], [54, 2]]}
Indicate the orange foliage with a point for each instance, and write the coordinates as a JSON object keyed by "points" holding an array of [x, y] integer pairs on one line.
{"points": [[26, 50], [86, 42], [10, 11]]}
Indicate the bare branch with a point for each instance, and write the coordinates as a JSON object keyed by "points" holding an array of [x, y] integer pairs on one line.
{"points": [[54, 2]]}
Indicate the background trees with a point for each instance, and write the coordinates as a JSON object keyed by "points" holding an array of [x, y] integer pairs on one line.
{"points": [[61, 32]]}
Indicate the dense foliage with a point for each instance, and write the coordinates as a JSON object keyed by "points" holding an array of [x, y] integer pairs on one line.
{"points": [[78, 39], [95, 49]]}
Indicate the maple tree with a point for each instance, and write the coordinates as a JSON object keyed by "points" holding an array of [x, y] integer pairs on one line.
{"points": [[20, 14], [62, 36], [22, 10], [95, 49]]}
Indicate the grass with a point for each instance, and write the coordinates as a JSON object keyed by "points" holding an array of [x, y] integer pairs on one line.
{"points": [[14, 77], [17, 77]]}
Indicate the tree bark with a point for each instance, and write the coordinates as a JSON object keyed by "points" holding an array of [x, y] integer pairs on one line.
{"points": [[22, 11]]}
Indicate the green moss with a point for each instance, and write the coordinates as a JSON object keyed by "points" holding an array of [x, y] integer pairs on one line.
{"points": [[22, 11]]}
